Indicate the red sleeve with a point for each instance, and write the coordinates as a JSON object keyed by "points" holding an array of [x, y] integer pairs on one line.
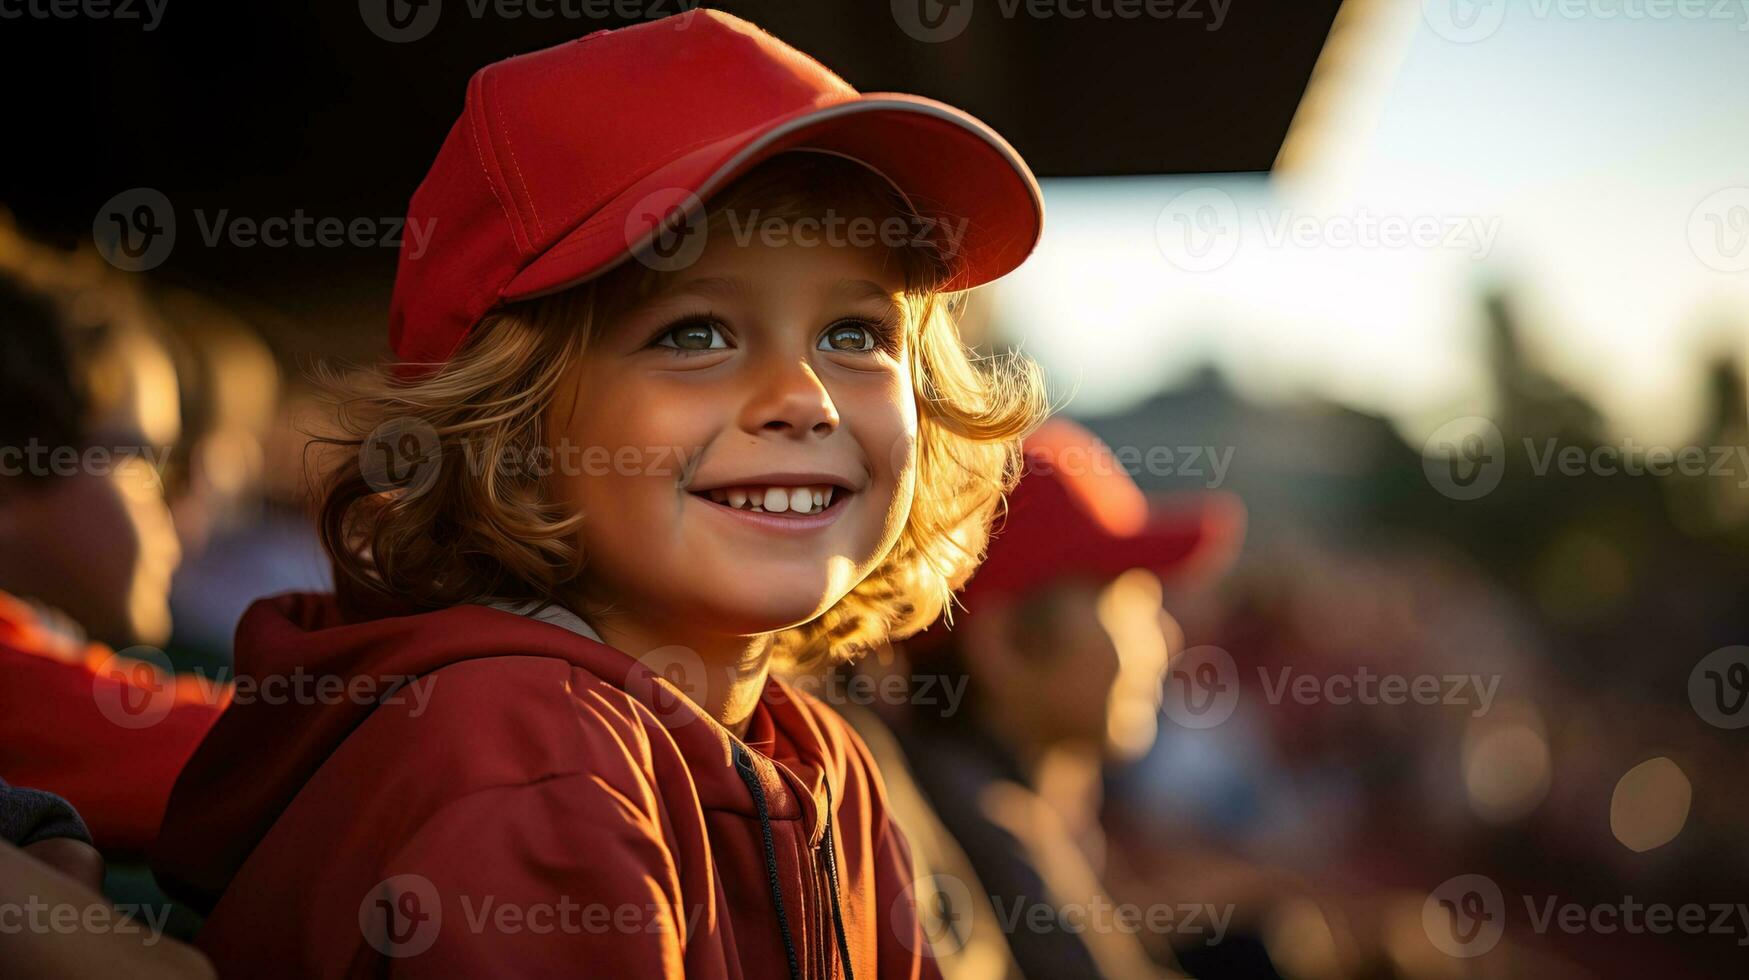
{"points": [[109, 733], [547, 879]]}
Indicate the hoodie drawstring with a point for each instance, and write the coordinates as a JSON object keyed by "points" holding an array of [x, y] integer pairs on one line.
{"points": [[744, 766], [832, 875]]}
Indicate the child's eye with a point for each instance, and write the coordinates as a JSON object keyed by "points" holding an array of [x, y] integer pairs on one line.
{"points": [[693, 336], [852, 336]]}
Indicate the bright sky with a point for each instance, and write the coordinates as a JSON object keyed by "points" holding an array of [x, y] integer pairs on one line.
{"points": [[1579, 157]]}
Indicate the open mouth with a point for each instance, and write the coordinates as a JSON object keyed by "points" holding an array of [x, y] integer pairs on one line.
{"points": [[810, 500]]}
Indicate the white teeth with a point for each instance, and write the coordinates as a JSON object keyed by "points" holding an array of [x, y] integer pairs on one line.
{"points": [[776, 500]]}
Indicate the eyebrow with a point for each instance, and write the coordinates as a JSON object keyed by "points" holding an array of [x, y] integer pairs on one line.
{"points": [[708, 286], [864, 289], [727, 286]]}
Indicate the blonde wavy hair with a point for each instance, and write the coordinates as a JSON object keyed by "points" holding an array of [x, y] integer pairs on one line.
{"points": [[475, 533]]}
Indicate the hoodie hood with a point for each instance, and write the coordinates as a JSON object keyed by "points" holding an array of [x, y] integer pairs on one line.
{"points": [[310, 670]]}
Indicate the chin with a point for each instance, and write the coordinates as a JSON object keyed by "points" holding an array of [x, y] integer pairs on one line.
{"points": [[770, 613]]}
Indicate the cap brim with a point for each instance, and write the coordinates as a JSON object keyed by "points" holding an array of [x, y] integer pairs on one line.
{"points": [[1187, 537], [947, 163]]}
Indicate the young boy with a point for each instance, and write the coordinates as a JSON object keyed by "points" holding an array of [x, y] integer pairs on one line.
{"points": [[640, 453]]}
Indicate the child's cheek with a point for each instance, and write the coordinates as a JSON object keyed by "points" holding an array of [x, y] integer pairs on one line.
{"points": [[901, 478]]}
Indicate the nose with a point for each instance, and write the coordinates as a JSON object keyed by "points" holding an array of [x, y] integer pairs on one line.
{"points": [[789, 399]]}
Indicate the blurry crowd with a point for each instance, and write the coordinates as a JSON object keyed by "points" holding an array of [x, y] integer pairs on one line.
{"points": [[1075, 808], [137, 520], [1578, 752]]}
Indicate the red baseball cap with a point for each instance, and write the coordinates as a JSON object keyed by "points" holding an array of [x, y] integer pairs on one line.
{"points": [[1076, 511], [566, 160]]}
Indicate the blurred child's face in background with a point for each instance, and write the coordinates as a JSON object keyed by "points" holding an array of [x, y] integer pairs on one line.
{"points": [[1143, 635], [99, 547], [97, 542], [1093, 676], [765, 365]]}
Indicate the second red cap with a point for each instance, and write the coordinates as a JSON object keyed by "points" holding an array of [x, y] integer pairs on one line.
{"points": [[1077, 512]]}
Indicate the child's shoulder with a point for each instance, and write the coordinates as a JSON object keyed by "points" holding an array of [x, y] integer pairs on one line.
{"points": [[471, 693], [505, 716]]}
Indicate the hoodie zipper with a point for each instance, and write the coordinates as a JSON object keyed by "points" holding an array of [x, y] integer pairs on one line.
{"points": [[750, 776]]}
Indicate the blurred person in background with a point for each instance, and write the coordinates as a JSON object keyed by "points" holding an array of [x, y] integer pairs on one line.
{"points": [[229, 396], [1064, 641], [88, 407], [237, 545]]}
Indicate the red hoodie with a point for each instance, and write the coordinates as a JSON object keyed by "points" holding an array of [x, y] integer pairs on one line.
{"points": [[506, 797]]}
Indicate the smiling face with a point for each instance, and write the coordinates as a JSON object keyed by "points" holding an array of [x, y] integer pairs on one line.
{"points": [[601, 447], [769, 376]]}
